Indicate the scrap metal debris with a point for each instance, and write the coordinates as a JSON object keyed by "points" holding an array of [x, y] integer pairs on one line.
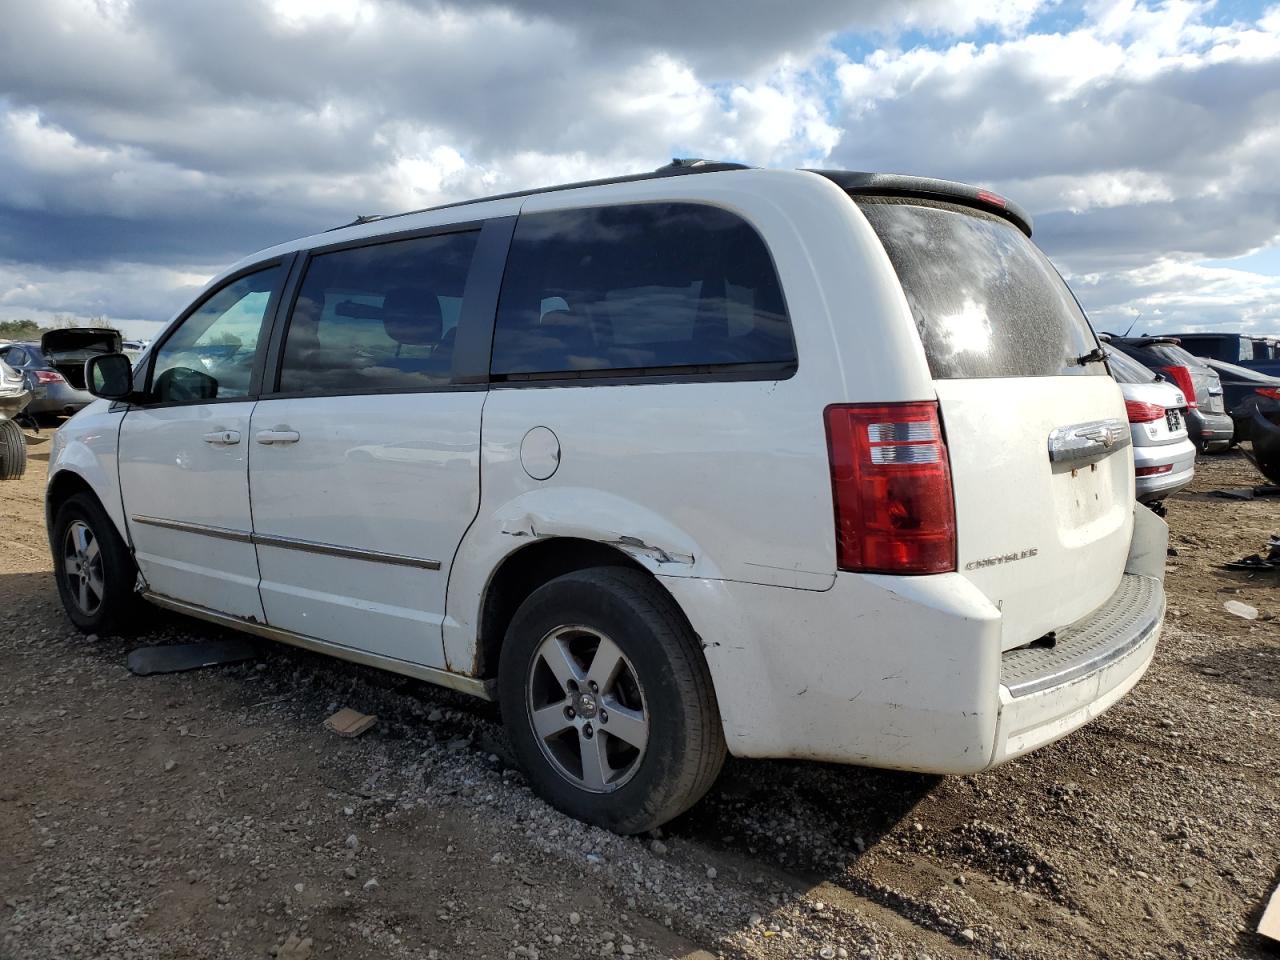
{"points": [[1256, 561], [350, 723], [174, 658]]}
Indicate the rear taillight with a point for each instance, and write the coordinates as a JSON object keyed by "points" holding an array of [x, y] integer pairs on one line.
{"points": [[891, 482], [49, 376], [1152, 471], [1271, 392], [1142, 412], [1181, 375]]}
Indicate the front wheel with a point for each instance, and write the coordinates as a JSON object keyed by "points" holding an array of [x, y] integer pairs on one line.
{"points": [[608, 701], [93, 567]]}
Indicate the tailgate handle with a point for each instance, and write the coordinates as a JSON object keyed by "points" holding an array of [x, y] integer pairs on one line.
{"points": [[1083, 443]]}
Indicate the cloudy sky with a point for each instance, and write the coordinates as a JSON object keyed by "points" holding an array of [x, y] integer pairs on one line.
{"points": [[145, 144]]}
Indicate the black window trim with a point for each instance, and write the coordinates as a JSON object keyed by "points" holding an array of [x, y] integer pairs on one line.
{"points": [[475, 323], [142, 375], [730, 372]]}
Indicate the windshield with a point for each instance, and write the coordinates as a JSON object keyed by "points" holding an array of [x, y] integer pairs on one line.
{"points": [[987, 302]]}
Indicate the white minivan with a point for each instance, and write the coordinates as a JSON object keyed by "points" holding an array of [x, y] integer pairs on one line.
{"points": [[708, 460]]}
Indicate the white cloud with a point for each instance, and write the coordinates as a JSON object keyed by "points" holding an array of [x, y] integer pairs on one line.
{"points": [[136, 132]]}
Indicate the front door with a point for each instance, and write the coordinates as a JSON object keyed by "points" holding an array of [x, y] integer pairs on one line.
{"points": [[364, 464], [184, 466]]}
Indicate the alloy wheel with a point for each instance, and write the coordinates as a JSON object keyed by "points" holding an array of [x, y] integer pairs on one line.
{"points": [[82, 564], [587, 708]]}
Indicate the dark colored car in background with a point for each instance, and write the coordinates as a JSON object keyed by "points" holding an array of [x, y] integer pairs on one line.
{"points": [[1256, 353], [53, 369], [1246, 391], [1208, 422]]}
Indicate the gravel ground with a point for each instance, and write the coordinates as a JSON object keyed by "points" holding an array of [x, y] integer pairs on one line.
{"points": [[209, 814]]}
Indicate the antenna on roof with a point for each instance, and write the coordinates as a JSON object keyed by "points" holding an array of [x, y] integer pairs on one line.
{"points": [[1135, 320]]}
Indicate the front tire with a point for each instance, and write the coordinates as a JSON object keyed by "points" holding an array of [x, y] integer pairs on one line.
{"points": [[608, 701], [94, 570]]}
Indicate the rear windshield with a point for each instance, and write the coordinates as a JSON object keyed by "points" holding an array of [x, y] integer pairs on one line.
{"points": [[986, 301], [1127, 370]]}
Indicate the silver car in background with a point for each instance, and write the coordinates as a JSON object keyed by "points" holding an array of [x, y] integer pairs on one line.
{"points": [[1164, 456]]}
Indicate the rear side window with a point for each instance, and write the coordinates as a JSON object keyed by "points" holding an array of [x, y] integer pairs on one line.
{"points": [[381, 317], [655, 287], [987, 302]]}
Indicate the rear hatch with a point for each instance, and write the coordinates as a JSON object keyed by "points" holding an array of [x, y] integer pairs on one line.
{"points": [[1018, 373], [67, 350]]}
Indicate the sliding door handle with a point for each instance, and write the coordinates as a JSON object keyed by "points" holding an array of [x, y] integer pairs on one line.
{"points": [[277, 435], [223, 438]]}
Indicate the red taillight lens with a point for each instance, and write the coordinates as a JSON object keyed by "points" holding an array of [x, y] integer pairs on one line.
{"points": [[891, 482], [1181, 375], [1272, 392], [48, 376], [1152, 471], [1141, 412]]}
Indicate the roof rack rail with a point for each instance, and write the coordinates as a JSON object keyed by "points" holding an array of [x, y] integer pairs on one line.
{"points": [[678, 167]]}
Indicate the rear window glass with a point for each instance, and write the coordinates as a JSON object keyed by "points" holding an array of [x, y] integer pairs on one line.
{"points": [[987, 302], [638, 288], [1127, 370], [1173, 355]]}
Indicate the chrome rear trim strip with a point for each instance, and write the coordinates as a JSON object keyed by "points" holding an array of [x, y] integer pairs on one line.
{"points": [[290, 543], [221, 533], [354, 553], [454, 681]]}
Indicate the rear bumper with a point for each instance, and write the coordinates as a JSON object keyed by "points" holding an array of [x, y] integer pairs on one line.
{"points": [[58, 398], [1211, 431], [1181, 457], [1046, 693], [907, 673]]}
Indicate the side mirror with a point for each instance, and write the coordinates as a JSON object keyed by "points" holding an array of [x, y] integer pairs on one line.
{"points": [[109, 375]]}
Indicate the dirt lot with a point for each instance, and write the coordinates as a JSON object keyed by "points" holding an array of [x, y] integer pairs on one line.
{"points": [[209, 814]]}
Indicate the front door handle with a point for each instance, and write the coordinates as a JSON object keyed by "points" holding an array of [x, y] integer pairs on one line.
{"points": [[281, 434], [223, 438]]}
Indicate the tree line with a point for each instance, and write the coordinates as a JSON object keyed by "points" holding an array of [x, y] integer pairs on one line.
{"points": [[30, 330]]}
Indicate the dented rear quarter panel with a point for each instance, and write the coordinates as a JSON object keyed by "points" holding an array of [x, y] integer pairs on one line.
{"points": [[712, 479]]}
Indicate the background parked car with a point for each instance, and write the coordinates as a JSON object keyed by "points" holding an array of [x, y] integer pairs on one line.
{"points": [[1256, 353], [1246, 391], [1211, 428], [1164, 457], [53, 369]]}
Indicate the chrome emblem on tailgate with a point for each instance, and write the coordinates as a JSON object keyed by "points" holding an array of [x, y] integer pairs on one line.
{"points": [[1087, 442]]}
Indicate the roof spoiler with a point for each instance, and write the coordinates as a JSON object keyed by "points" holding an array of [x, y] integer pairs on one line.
{"points": [[928, 188]]}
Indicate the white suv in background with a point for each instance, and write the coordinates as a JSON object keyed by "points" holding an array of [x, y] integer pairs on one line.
{"points": [[779, 463]]}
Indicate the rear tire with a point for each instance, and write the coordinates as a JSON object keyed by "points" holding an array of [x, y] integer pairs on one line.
{"points": [[94, 570], [608, 646], [13, 451]]}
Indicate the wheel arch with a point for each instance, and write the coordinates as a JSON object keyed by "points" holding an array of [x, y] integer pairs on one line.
{"points": [[524, 570], [63, 485]]}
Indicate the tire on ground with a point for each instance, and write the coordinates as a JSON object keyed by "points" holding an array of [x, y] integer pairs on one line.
{"points": [[13, 451], [685, 748], [121, 610]]}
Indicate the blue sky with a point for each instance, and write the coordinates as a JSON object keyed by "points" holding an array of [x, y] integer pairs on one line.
{"points": [[145, 144]]}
